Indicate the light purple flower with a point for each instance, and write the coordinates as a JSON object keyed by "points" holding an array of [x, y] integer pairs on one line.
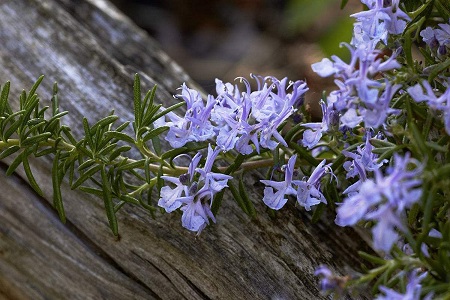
{"points": [[308, 190], [429, 37], [195, 125], [276, 200], [384, 200], [246, 118], [330, 120], [194, 192], [443, 34], [329, 282], [413, 289], [441, 103]]}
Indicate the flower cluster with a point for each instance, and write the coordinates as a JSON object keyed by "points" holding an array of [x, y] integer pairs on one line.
{"points": [[362, 96], [194, 192], [384, 200], [243, 121]]}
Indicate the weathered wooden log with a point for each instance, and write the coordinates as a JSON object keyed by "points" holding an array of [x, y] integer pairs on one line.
{"points": [[92, 50]]}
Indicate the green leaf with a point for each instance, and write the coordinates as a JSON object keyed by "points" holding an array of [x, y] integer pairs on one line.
{"points": [[132, 165], [129, 199], [149, 97], [56, 182], [118, 152], [303, 154], [29, 173], [377, 143], [371, 258], [120, 136], [108, 149], [86, 175], [55, 102], [434, 70], [318, 212], [35, 139], [217, 202], [122, 127], [247, 202], [137, 100], [16, 162], [156, 143], [34, 87], [109, 205], [93, 191], [422, 12], [237, 197], [104, 122], [236, 164], [67, 132], [166, 111], [7, 152], [154, 133], [54, 120], [88, 163], [87, 132], [11, 130], [4, 98], [343, 3], [443, 7], [44, 152], [147, 119]]}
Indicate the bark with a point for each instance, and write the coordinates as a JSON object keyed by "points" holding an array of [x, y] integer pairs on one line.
{"points": [[92, 51]]}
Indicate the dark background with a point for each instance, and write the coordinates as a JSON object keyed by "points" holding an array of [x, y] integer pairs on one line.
{"points": [[229, 38]]}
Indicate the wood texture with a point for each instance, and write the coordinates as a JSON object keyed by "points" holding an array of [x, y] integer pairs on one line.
{"points": [[92, 50]]}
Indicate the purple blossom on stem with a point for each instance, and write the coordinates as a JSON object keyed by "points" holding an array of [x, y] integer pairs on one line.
{"points": [[363, 161], [413, 289], [313, 134], [307, 191], [330, 283], [249, 117], [441, 103], [276, 200], [384, 200], [195, 125], [194, 194]]}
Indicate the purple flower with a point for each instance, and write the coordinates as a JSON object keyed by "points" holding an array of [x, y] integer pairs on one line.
{"points": [[276, 200], [195, 125], [441, 103], [363, 161], [443, 34], [384, 201], [308, 191], [429, 37], [360, 97], [330, 283], [245, 118], [330, 120], [194, 192], [413, 289], [381, 17]]}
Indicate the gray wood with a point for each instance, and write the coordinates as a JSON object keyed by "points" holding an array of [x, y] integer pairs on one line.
{"points": [[92, 50]]}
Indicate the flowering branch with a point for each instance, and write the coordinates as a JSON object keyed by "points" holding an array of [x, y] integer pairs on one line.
{"points": [[378, 158]]}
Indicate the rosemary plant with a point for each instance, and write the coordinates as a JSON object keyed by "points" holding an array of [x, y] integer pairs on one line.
{"points": [[379, 156]]}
